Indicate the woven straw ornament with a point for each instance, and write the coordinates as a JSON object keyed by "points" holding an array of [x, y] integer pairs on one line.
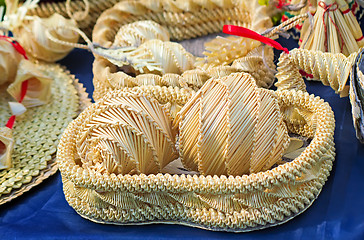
{"points": [[38, 86], [125, 133], [9, 60], [33, 32], [231, 127]]}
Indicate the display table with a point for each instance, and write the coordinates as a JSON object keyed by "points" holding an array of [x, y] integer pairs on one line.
{"points": [[338, 212]]}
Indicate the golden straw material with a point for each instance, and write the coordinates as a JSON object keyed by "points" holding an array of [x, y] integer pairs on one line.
{"points": [[37, 132], [38, 86], [241, 203], [172, 98], [136, 33], [32, 34], [34, 39], [189, 17], [223, 51], [125, 133], [183, 19], [96, 7], [331, 69], [9, 60], [335, 30], [6, 147], [288, 76], [231, 127]]}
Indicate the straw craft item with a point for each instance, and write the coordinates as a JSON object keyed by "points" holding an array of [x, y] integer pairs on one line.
{"points": [[335, 29], [46, 9], [333, 70], [240, 131], [9, 61], [37, 132], [220, 202], [202, 19], [125, 133], [31, 31]]}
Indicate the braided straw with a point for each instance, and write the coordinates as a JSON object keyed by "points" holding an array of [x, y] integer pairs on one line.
{"points": [[9, 60], [183, 19], [108, 76], [240, 203], [85, 23], [331, 69]]}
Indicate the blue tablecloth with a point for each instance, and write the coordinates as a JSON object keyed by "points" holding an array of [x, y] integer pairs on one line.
{"points": [[338, 212]]}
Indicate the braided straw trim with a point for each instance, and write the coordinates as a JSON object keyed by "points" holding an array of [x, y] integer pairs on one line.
{"points": [[18, 182], [106, 75], [331, 69], [288, 76], [96, 7], [183, 19], [222, 203]]}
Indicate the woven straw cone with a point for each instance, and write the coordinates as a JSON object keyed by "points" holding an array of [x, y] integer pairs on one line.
{"points": [[182, 21], [240, 203], [9, 60], [125, 133], [240, 131]]}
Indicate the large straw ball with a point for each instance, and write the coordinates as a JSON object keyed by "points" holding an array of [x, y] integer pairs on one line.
{"points": [[125, 133], [231, 127]]}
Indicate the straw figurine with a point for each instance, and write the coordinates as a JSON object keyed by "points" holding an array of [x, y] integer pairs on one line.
{"points": [[335, 29]]}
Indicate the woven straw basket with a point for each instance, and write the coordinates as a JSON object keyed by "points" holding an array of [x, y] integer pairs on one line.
{"points": [[224, 203]]}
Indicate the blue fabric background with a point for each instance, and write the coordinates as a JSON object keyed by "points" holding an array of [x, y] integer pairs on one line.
{"points": [[338, 212]]}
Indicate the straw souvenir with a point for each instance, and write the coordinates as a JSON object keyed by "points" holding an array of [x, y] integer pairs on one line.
{"points": [[203, 18], [215, 202], [9, 60], [36, 132], [335, 29], [240, 132], [32, 31], [333, 70], [68, 8]]}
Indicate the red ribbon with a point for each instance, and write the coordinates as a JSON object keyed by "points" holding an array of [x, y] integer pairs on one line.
{"points": [[24, 85], [244, 32], [15, 44]]}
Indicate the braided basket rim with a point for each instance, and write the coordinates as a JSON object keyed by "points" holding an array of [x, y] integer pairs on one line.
{"points": [[287, 172]]}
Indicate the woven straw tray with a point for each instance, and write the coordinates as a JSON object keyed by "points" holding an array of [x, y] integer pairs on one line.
{"points": [[37, 133]]}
